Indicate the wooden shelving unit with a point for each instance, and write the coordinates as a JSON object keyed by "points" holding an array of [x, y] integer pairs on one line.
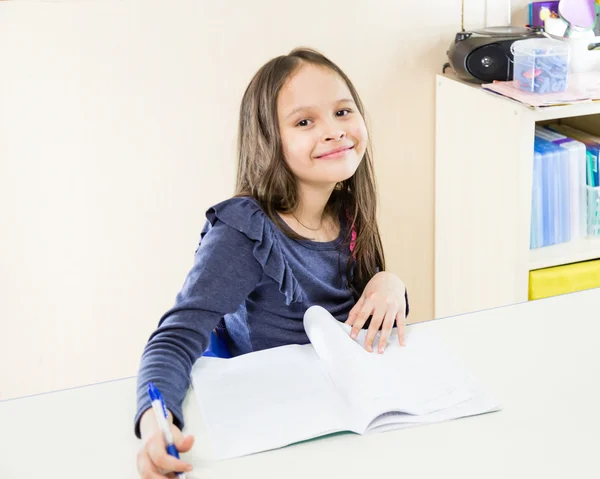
{"points": [[483, 185]]}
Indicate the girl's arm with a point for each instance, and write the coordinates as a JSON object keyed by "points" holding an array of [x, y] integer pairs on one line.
{"points": [[223, 275]]}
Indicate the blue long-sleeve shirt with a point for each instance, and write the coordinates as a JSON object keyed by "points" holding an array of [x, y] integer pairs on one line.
{"points": [[251, 282]]}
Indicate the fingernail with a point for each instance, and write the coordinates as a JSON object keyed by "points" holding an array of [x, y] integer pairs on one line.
{"points": [[353, 335]]}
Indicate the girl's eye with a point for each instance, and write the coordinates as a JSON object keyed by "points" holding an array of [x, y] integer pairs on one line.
{"points": [[343, 112]]}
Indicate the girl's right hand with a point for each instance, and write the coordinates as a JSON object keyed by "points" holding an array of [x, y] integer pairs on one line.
{"points": [[153, 461]]}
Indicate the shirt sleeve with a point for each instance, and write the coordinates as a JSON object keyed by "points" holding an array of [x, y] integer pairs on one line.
{"points": [[223, 274]]}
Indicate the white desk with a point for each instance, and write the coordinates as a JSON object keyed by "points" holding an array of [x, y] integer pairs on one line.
{"points": [[541, 360]]}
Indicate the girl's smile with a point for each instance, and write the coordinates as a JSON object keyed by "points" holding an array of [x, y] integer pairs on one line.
{"points": [[336, 153]]}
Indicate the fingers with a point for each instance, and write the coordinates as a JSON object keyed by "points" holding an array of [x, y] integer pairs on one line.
{"points": [[376, 321], [145, 468], [386, 330], [401, 326], [182, 443], [361, 317], [352, 315], [185, 444], [383, 316], [159, 458]]}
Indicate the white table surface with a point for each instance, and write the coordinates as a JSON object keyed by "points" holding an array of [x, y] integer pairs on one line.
{"points": [[541, 360]]}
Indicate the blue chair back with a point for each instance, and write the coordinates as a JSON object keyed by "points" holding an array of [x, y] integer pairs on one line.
{"points": [[217, 348]]}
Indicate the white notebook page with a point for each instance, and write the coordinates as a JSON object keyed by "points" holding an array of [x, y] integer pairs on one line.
{"points": [[266, 399]]}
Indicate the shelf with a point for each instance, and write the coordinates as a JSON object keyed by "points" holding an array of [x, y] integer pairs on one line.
{"points": [[565, 253], [544, 113], [554, 112], [567, 111]]}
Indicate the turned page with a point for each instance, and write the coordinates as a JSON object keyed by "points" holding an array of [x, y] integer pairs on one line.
{"points": [[266, 400], [410, 379]]}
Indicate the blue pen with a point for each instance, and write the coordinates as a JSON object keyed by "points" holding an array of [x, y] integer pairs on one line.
{"points": [[160, 411]]}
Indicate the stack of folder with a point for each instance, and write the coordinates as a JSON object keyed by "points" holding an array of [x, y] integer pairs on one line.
{"points": [[566, 192]]}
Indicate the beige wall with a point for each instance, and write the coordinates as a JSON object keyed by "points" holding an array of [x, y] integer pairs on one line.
{"points": [[118, 123]]}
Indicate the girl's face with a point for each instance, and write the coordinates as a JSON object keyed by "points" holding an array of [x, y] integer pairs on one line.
{"points": [[323, 134]]}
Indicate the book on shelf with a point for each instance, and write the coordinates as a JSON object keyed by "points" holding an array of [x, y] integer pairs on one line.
{"points": [[565, 192]]}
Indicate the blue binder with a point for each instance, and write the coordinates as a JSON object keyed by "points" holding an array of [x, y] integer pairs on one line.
{"points": [[551, 194]]}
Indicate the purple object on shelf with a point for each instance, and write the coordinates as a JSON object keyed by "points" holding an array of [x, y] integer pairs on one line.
{"points": [[540, 11], [578, 13]]}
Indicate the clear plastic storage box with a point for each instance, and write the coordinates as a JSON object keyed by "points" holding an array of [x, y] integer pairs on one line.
{"points": [[541, 65]]}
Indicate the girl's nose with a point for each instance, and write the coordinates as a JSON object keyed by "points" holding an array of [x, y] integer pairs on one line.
{"points": [[335, 135]]}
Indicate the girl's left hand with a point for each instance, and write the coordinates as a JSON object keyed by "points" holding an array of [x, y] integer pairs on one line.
{"points": [[384, 300]]}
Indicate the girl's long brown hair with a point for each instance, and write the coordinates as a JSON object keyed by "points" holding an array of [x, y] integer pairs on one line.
{"points": [[264, 175]]}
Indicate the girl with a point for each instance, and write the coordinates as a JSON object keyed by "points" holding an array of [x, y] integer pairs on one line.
{"points": [[301, 230]]}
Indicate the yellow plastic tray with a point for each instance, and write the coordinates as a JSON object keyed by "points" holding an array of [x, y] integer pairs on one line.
{"points": [[568, 278]]}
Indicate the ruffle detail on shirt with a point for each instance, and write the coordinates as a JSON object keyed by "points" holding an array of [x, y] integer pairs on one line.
{"points": [[247, 217]]}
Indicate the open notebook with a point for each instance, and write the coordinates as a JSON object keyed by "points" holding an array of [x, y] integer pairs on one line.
{"points": [[276, 397]]}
